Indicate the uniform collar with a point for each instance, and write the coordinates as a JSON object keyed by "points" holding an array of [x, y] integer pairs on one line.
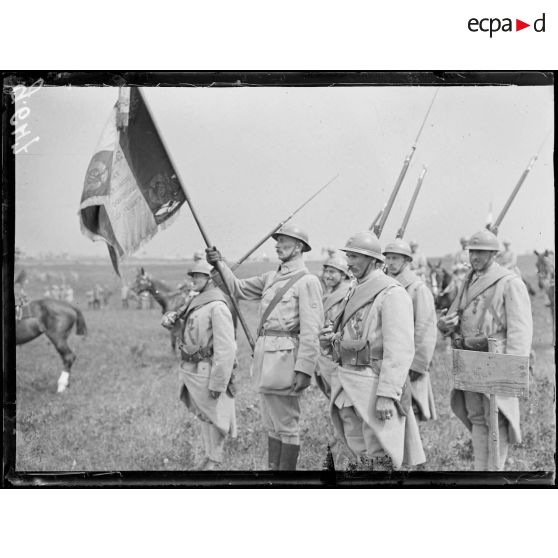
{"points": [[290, 266]]}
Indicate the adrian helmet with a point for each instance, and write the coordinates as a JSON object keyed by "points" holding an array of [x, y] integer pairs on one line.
{"points": [[294, 232], [200, 267], [338, 262], [365, 243], [398, 246], [484, 240]]}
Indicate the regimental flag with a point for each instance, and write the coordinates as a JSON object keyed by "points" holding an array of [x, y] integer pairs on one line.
{"points": [[131, 188]]}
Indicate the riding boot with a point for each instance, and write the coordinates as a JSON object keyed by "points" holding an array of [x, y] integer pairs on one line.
{"points": [[273, 452], [289, 457]]}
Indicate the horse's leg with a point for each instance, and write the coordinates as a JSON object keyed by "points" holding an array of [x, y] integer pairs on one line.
{"points": [[60, 341]]}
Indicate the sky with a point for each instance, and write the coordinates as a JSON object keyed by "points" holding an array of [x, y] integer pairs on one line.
{"points": [[248, 156]]}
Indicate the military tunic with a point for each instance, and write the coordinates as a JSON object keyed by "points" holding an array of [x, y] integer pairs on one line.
{"points": [[386, 325], [333, 305], [425, 320], [508, 320], [289, 341], [210, 325]]}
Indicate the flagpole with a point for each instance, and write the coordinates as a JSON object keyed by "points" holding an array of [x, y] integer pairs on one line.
{"points": [[208, 243]]}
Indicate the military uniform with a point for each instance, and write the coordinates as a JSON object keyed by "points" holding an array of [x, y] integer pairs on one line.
{"points": [[208, 350], [494, 304], [374, 349], [425, 319], [333, 303], [287, 343]]}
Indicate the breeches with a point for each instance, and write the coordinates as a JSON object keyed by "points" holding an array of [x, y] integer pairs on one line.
{"points": [[281, 416], [478, 412], [213, 441], [360, 437]]}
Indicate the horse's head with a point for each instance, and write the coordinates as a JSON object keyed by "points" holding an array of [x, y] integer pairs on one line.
{"points": [[142, 282]]}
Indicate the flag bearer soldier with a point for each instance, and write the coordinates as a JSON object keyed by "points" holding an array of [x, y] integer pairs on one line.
{"points": [[419, 263], [208, 351], [398, 257], [373, 344], [492, 303], [287, 348]]}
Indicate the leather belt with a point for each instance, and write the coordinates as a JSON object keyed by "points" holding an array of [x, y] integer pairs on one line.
{"points": [[278, 333]]}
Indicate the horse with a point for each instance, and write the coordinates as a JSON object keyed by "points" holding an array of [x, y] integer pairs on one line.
{"points": [[56, 319], [443, 288], [167, 299]]}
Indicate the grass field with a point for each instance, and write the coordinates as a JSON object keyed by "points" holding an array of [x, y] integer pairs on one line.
{"points": [[122, 411]]}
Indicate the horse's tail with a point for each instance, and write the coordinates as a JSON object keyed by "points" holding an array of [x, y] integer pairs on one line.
{"points": [[81, 327]]}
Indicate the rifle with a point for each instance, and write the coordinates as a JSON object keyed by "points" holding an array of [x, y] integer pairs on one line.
{"points": [[275, 229], [494, 227], [403, 226], [377, 218], [379, 227]]}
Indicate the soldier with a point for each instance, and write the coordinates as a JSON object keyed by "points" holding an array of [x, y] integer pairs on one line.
{"points": [[287, 348], [208, 351], [336, 277], [506, 258], [373, 344], [461, 257], [492, 303], [398, 257], [419, 264]]}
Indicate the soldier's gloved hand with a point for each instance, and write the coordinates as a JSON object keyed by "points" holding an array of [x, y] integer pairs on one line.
{"points": [[214, 394], [448, 323], [301, 381], [414, 375], [169, 319], [212, 255], [385, 408]]}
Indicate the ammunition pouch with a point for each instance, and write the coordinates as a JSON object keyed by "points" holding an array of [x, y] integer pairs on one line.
{"points": [[475, 343], [353, 352], [194, 354]]}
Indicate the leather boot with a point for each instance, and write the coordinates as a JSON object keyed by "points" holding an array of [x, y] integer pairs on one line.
{"points": [[273, 452], [289, 457]]}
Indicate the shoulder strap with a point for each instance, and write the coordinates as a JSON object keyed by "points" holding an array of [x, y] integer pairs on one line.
{"points": [[278, 295], [343, 320], [488, 304]]}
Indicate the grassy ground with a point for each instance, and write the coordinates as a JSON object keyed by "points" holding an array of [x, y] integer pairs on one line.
{"points": [[122, 411]]}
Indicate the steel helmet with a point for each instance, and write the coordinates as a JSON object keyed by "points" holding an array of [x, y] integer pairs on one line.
{"points": [[413, 243], [484, 240], [200, 267], [398, 246], [338, 262], [506, 242], [365, 243], [198, 256], [294, 232], [463, 240]]}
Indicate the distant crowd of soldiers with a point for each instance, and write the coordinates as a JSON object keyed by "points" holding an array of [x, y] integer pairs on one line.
{"points": [[366, 331]]}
